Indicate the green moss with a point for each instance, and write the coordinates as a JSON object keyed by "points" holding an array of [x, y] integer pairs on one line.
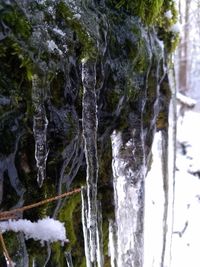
{"points": [[25, 61], [147, 10], [70, 214], [37, 252], [170, 38], [11, 242], [48, 190], [152, 12], [83, 264], [88, 49], [58, 256], [16, 20], [66, 215]]}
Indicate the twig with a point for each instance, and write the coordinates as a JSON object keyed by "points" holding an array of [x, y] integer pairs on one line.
{"points": [[7, 217], [6, 254], [6, 214]]}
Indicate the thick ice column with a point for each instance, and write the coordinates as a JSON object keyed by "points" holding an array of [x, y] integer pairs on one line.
{"points": [[128, 176], [154, 208], [89, 121], [40, 124]]}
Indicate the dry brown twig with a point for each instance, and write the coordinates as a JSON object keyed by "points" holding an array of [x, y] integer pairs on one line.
{"points": [[9, 213], [5, 251]]}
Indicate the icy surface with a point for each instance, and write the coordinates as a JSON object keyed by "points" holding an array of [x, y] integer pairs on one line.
{"points": [[91, 217], [40, 124], [128, 209], [112, 246]]}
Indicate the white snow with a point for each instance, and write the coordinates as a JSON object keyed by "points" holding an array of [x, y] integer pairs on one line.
{"points": [[154, 203], [186, 230], [175, 28], [46, 229], [52, 46], [168, 14], [188, 138], [59, 31], [188, 101], [77, 16], [185, 245]]}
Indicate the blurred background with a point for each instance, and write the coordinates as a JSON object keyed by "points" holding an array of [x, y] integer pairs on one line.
{"points": [[186, 233]]}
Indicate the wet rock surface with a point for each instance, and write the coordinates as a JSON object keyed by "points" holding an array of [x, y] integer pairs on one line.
{"points": [[51, 142]]}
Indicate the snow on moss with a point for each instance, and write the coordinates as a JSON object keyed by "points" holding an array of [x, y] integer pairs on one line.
{"points": [[46, 229], [175, 28], [168, 14], [52, 47]]}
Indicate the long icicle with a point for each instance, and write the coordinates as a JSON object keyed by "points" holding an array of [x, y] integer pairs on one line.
{"points": [[89, 121], [40, 124]]}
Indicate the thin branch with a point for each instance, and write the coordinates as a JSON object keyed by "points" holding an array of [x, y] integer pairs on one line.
{"points": [[6, 254], [7, 217], [11, 212]]}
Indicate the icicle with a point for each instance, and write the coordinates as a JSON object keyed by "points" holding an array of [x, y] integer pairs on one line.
{"points": [[112, 246], [40, 124], [168, 167], [129, 201], [99, 236], [171, 150], [84, 225], [89, 121], [68, 257]]}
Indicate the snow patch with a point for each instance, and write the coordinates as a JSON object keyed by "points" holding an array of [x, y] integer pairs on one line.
{"points": [[77, 16], [185, 245], [168, 14], [176, 28], [59, 31], [186, 100], [46, 229], [52, 46]]}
